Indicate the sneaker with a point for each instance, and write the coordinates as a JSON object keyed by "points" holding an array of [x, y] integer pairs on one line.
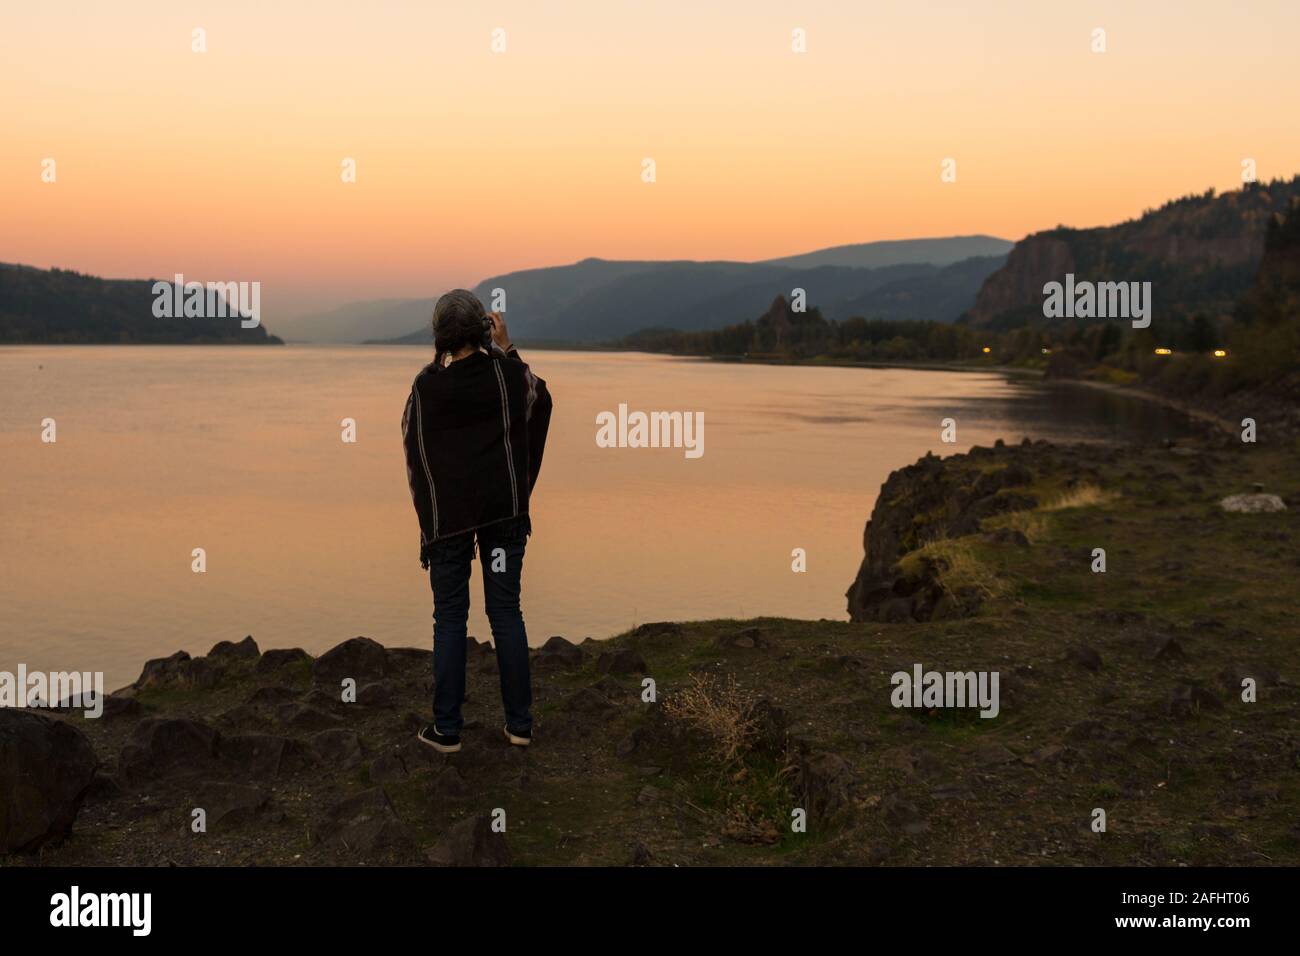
{"points": [[519, 740], [443, 743]]}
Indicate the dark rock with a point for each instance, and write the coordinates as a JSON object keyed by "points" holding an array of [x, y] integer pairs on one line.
{"points": [[337, 747], [46, 769], [201, 673], [360, 659], [946, 608], [589, 702], [229, 804], [245, 650], [113, 706], [305, 718], [932, 499], [826, 785], [410, 658], [771, 727], [622, 660], [377, 694], [365, 823], [559, 654], [471, 842], [747, 638], [168, 746], [271, 696], [614, 691], [656, 628], [276, 658], [103, 789], [895, 611], [387, 768], [449, 785], [266, 755], [161, 670]]}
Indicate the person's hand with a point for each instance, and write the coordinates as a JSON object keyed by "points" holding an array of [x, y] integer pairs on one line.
{"points": [[500, 335]]}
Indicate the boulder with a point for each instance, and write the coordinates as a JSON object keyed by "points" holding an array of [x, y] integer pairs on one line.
{"points": [[272, 695], [1252, 504], [388, 767], [826, 785], [360, 658], [449, 785], [168, 746], [558, 654], [747, 638], [589, 702], [162, 670], [229, 804], [245, 650], [365, 823], [279, 657], [771, 728], [622, 660], [305, 718], [266, 755], [337, 747], [380, 693], [46, 770], [471, 842]]}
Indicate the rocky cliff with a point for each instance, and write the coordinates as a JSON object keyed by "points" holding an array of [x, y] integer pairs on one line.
{"points": [[1200, 253]]}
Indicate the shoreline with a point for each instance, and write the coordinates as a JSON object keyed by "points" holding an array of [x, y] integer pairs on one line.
{"points": [[1106, 681]]}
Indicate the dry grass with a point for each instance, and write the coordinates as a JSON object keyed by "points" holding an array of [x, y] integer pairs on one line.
{"points": [[955, 566], [1029, 523], [719, 711], [1080, 496]]}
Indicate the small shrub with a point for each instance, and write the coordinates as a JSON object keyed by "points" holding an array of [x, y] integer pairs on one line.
{"points": [[719, 711]]}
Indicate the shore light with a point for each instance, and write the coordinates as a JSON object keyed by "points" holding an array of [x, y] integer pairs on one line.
{"points": [[987, 350], [1047, 351], [1164, 351], [1220, 353]]}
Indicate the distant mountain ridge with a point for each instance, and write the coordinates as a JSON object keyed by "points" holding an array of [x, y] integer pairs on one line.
{"points": [[599, 300], [62, 307]]}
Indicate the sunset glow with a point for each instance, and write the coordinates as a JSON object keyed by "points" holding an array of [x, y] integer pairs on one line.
{"points": [[226, 164]]}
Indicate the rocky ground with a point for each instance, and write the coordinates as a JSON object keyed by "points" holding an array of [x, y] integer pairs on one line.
{"points": [[1119, 690]]}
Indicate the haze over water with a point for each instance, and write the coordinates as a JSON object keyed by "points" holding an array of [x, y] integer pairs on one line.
{"points": [[311, 541]]}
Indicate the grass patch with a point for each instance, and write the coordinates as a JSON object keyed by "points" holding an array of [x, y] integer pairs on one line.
{"points": [[1083, 495], [955, 564]]}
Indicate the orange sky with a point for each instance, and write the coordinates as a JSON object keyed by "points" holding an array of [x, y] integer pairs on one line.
{"points": [[226, 164]]}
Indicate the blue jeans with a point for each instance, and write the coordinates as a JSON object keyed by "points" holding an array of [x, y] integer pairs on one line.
{"points": [[501, 554]]}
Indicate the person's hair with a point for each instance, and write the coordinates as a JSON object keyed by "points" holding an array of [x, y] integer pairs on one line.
{"points": [[458, 320]]}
